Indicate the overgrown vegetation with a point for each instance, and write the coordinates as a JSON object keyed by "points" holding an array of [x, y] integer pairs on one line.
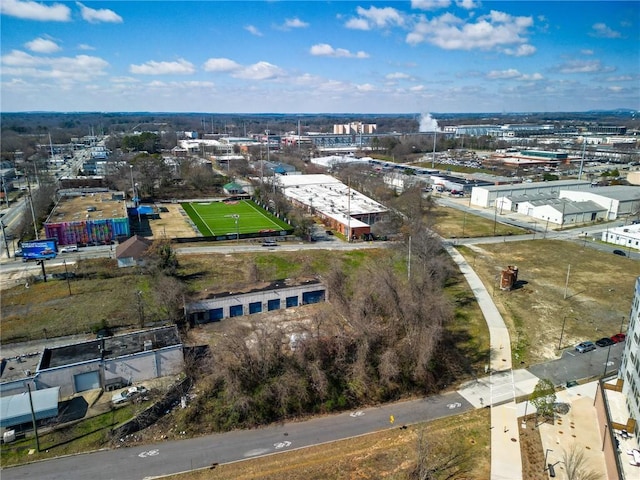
{"points": [[381, 338]]}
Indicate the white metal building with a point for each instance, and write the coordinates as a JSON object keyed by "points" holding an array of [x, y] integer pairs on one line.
{"points": [[619, 200], [485, 196]]}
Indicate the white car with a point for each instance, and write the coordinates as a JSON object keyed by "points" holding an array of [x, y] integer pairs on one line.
{"points": [[69, 249], [128, 394]]}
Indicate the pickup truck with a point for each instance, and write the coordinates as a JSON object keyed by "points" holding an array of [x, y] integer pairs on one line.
{"points": [[128, 394]]}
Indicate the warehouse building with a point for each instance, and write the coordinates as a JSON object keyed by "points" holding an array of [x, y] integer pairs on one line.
{"points": [[276, 296], [486, 196], [338, 206], [111, 362]]}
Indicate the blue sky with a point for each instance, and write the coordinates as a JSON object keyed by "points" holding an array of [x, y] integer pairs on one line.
{"points": [[447, 56]]}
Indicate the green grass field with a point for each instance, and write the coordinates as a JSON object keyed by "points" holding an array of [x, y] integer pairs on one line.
{"points": [[243, 217]]}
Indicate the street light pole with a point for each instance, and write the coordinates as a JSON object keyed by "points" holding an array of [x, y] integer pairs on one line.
{"points": [[545, 458], [137, 204]]}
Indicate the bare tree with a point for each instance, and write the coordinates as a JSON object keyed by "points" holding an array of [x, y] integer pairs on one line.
{"points": [[440, 459], [577, 465]]}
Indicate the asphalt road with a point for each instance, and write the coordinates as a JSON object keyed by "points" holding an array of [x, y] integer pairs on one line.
{"points": [[137, 463], [575, 366]]}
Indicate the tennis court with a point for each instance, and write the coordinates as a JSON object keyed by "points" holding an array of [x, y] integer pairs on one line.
{"points": [[228, 218]]}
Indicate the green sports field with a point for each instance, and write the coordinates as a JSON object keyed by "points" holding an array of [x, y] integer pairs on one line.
{"points": [[219, 218]]}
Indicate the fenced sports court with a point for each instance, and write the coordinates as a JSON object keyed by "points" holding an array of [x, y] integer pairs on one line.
{"points": [[233, 218]]}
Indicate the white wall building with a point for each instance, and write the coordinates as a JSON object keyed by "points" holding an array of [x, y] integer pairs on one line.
{"points": [[627, 236], [619, 200], [485, 196], [629, 370]]}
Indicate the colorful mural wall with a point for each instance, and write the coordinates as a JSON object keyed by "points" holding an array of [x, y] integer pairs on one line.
{"points": [[86, 232]]}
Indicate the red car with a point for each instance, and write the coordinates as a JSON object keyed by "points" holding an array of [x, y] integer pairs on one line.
{"points": [[618, 337]]}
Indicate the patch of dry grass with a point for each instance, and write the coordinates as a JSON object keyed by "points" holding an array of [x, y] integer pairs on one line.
{"points": [[389, 454], [598, 293]]}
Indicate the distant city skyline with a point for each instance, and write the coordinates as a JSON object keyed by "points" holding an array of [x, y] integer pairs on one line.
{"points": [[448, 56]]}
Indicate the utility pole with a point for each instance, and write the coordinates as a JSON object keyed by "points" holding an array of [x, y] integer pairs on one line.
{"points": [[33, 213], [4, 236], [33, 418]]}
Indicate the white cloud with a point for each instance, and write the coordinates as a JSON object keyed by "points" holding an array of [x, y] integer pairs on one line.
{"points": [[397, 76], [253, 30], [259, 71], [42, 45], [430, 4], [502, 74], [581, 66], [493, 31], [124, 80], [468, 4], [326, 50], [36, 11], [365, 87], [96, 16], [513, 74], [221, 65], [524, 50], [294, 23], [601, 30], [179, 67], [587, 52], [374, 17], [534, 77], [80, 68], [358, 24], [189, 84], [417, 88], [620, 78]]}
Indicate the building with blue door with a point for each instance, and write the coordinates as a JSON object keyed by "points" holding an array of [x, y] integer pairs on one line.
{"points": [[108, 363], [278, 295]]}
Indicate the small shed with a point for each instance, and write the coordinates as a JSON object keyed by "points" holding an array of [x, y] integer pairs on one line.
{"points": [[16, 409], [233, 188]]}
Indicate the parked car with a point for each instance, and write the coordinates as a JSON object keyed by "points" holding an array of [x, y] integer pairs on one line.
{"points": [[619, 252], [604, 342], [128, 394], [585, 347], [618, 337], [69, 249]]}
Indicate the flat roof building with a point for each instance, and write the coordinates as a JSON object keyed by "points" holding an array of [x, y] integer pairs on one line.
{"points": [[343, 208], [87, 217]]}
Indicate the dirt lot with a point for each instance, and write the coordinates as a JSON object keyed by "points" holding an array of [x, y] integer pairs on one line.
{"points": [[558, 282], [174, 223]]}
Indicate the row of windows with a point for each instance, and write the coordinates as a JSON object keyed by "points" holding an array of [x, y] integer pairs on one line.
{"points": [[217, 314]]}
